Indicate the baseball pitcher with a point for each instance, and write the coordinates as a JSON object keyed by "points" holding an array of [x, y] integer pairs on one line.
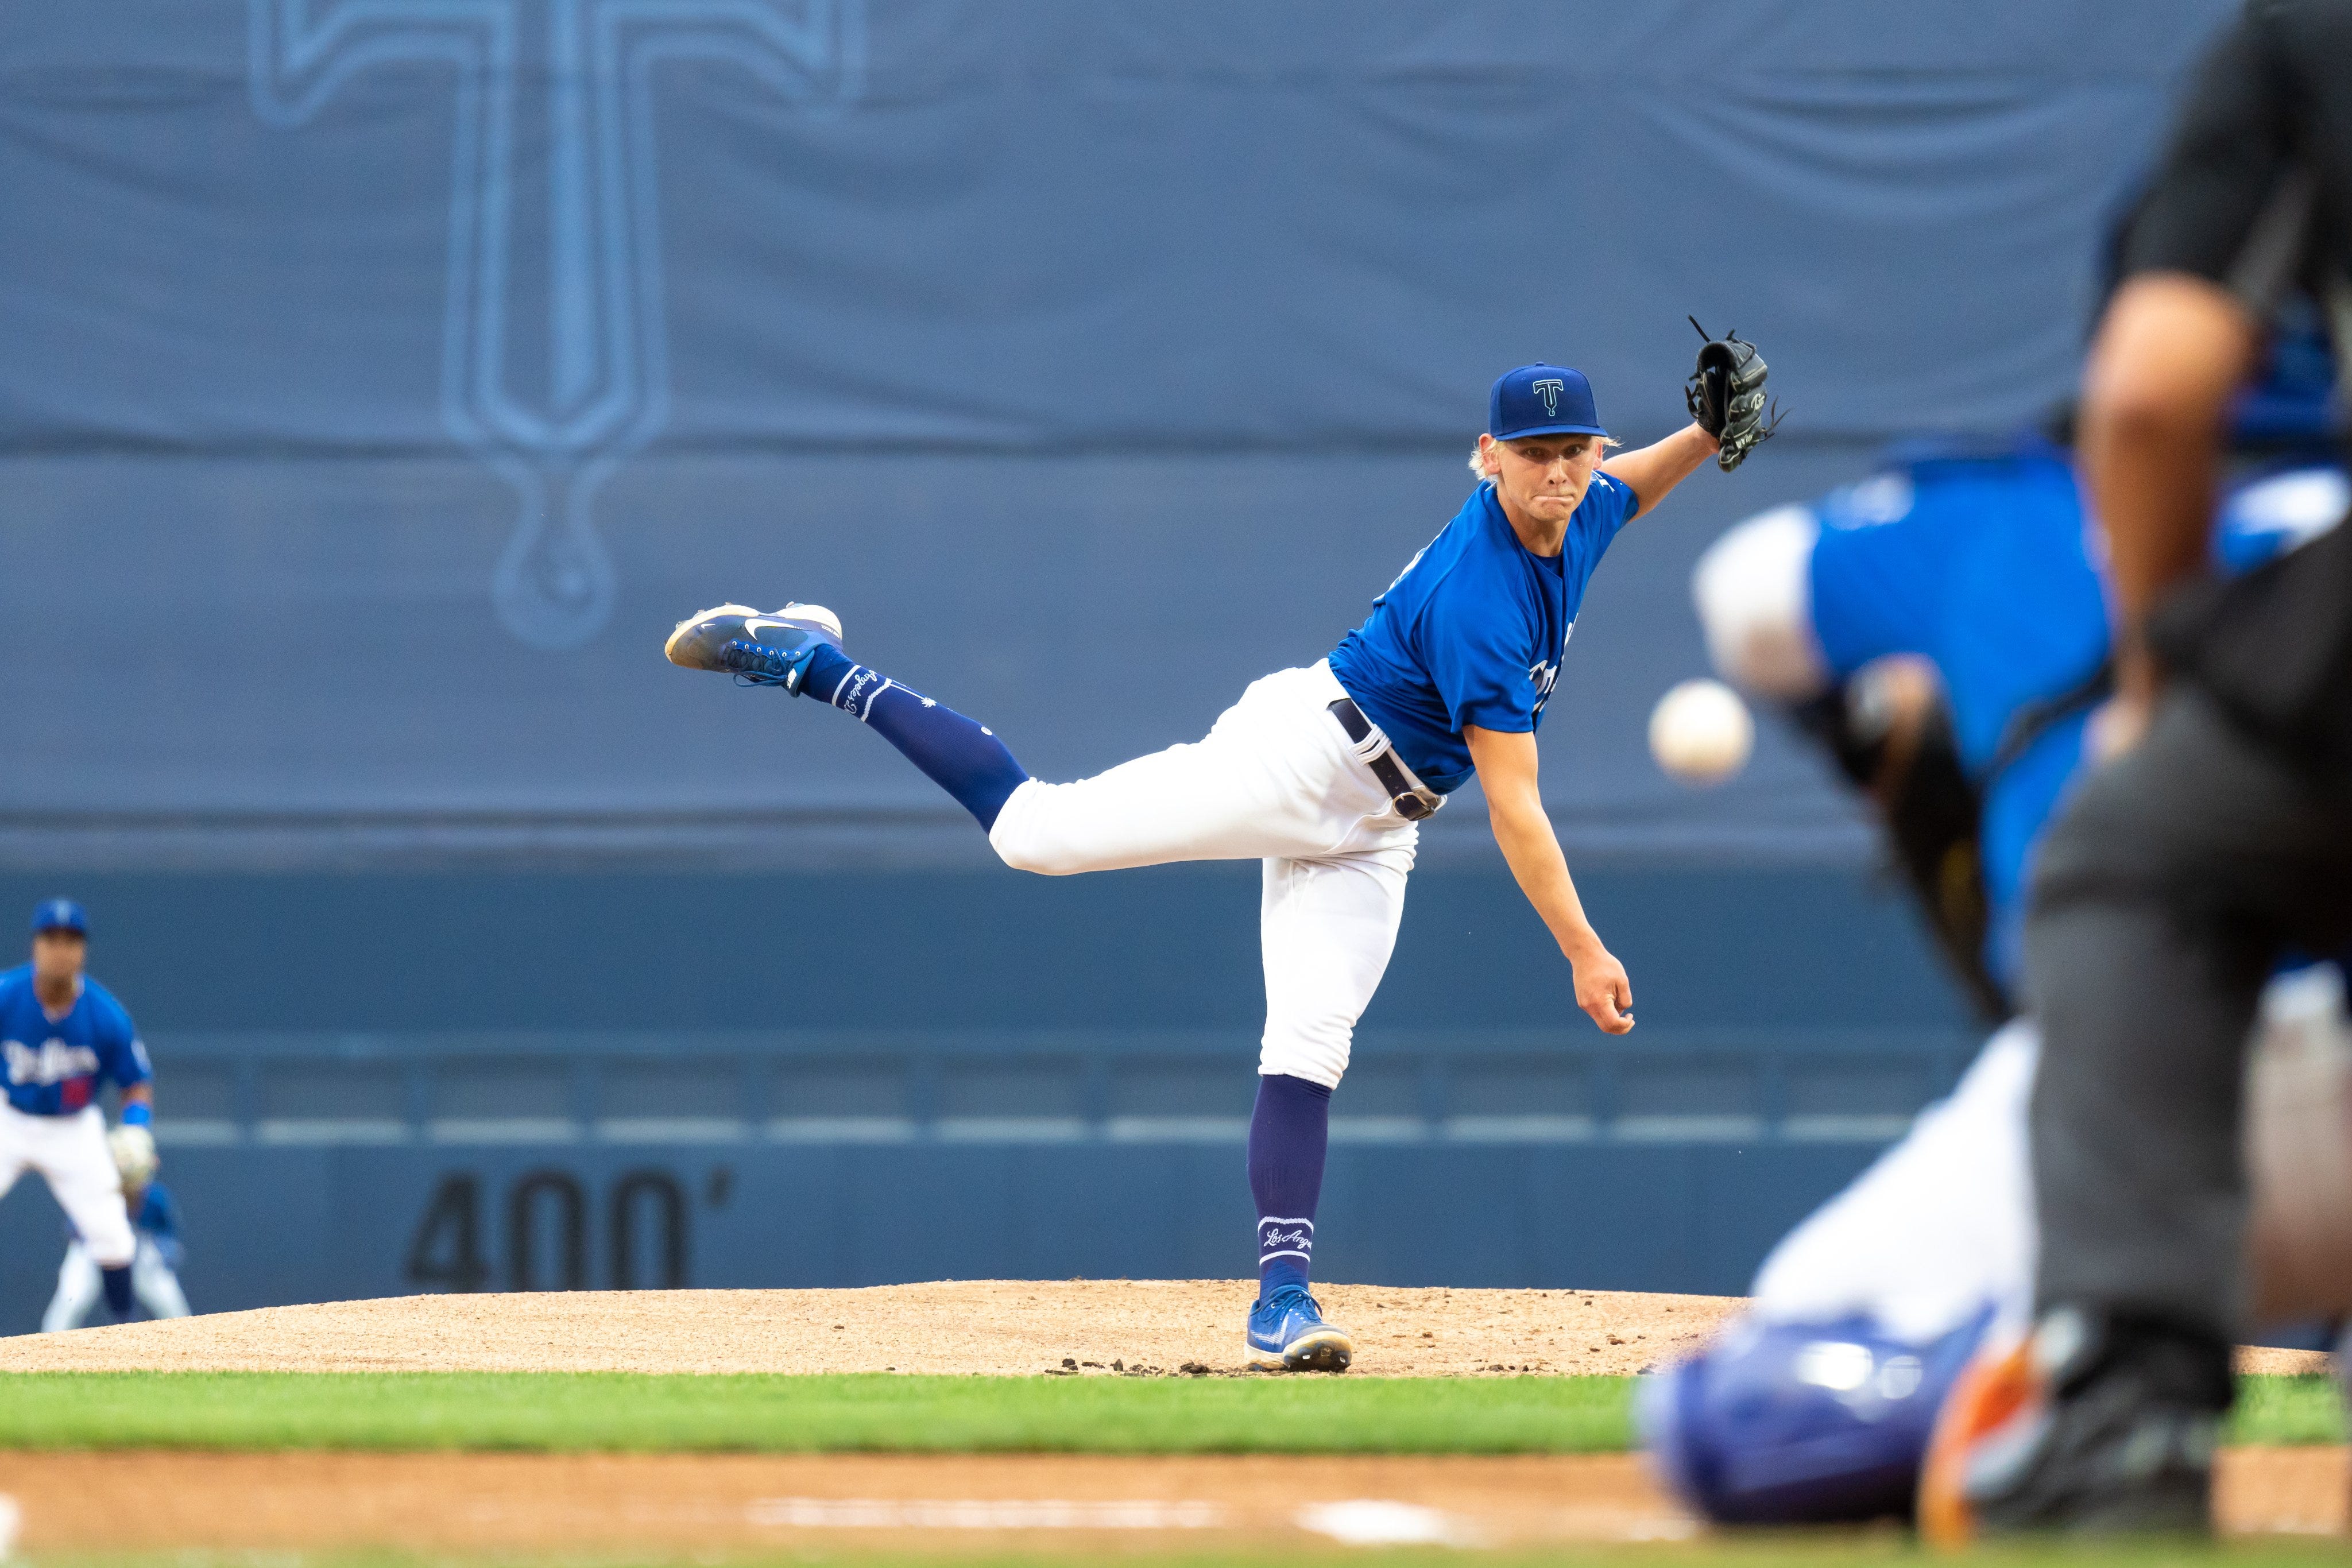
{"points": [[63, 1036], [1323, 773]]}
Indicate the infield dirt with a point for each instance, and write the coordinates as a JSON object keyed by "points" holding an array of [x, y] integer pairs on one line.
{"points": [[1004, 1327]]}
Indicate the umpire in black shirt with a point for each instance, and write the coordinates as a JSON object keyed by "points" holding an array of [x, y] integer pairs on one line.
{"points": [[2216, 840]]}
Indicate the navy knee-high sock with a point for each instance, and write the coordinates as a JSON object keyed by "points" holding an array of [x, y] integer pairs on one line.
{"points": [[117, 1283], [961, 757], [1289, 1131]]}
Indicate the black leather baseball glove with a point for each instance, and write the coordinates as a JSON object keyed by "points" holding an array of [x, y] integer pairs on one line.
{"points": [[1725, 395]]}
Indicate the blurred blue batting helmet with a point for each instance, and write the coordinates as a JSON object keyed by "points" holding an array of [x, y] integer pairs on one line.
{"points": [[1802, 1423]]}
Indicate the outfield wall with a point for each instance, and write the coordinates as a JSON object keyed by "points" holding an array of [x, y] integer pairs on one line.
{"points": [[331, 1222], [380, 1084]]}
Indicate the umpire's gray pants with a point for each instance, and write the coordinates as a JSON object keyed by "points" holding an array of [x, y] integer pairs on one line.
{"points": [[2162, 900]]}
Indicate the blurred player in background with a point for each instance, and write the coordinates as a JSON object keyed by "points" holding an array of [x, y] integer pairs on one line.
{"points": [[1940, 628], [1323, 773], [154, 1272], [64, 1037], [2214, 840]]}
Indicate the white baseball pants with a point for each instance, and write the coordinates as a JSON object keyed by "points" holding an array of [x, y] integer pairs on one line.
{"points": [[79, 1287], [1276, 780], [70, 1153]]}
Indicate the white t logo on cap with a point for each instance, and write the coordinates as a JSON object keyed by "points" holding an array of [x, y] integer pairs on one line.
{"points": [[1549, 390]]}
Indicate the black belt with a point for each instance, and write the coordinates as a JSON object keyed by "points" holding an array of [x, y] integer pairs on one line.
{"points": [[1412, 804]]}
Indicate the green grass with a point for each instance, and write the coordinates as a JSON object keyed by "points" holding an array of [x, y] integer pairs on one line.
{"points": [[565, 1412], [2305, 1409]]}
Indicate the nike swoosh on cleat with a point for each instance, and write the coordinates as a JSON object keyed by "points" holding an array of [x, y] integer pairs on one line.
{"points": [[812, 618], [752, 624]]}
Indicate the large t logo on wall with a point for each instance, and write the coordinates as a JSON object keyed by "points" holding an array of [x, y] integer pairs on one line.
{"points": [[554, 364]]}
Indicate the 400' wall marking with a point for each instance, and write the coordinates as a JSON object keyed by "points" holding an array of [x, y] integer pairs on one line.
{"points": [[546, 1240]]}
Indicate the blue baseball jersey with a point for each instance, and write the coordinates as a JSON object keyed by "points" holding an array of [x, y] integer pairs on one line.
{"points": [[159, 1214], [1473, 630], [1982, 564], [55, 1066]]}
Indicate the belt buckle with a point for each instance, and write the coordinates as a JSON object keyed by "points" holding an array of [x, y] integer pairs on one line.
{"points": [[1414, 809]]}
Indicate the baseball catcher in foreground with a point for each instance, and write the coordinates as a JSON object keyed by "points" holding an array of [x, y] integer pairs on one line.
{"points": [[1969, 560], [2214, 840], [1323, 773]]}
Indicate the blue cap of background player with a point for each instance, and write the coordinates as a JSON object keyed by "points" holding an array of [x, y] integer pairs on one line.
{"points": [[60, 914], [1542, 400]]}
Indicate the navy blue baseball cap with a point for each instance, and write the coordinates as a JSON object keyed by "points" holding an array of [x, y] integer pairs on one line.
{"points": [[60, 914], [1542, 400]]}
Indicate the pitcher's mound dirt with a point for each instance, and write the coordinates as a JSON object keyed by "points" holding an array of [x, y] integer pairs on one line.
{"points": [[975, 1326], [1000, 1327]]}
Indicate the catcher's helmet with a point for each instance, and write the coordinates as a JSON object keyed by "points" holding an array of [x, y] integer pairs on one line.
{"points": [[1801, 1423]]}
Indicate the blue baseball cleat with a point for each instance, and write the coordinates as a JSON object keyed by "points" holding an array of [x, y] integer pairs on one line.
{"points": [[758, 649], [1289, 1331]]}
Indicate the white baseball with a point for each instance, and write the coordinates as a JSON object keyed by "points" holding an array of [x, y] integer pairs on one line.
{"points": [[1701, 733]]}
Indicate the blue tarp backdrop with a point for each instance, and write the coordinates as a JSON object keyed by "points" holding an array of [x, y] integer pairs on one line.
{"points": [[382, 377]]}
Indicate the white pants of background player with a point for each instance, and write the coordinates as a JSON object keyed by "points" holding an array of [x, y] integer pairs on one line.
{"points": [[1275, 781], [70, 1153], [79, 1287]]}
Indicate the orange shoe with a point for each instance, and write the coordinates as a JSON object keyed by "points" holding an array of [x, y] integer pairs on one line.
{"points": [[2094, 1426], [1998, 1398]]}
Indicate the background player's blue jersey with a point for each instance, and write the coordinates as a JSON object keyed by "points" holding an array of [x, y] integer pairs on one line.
{"points": [[1982, 564], [1473, 630], [159, 1216], [54, 1066]]}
